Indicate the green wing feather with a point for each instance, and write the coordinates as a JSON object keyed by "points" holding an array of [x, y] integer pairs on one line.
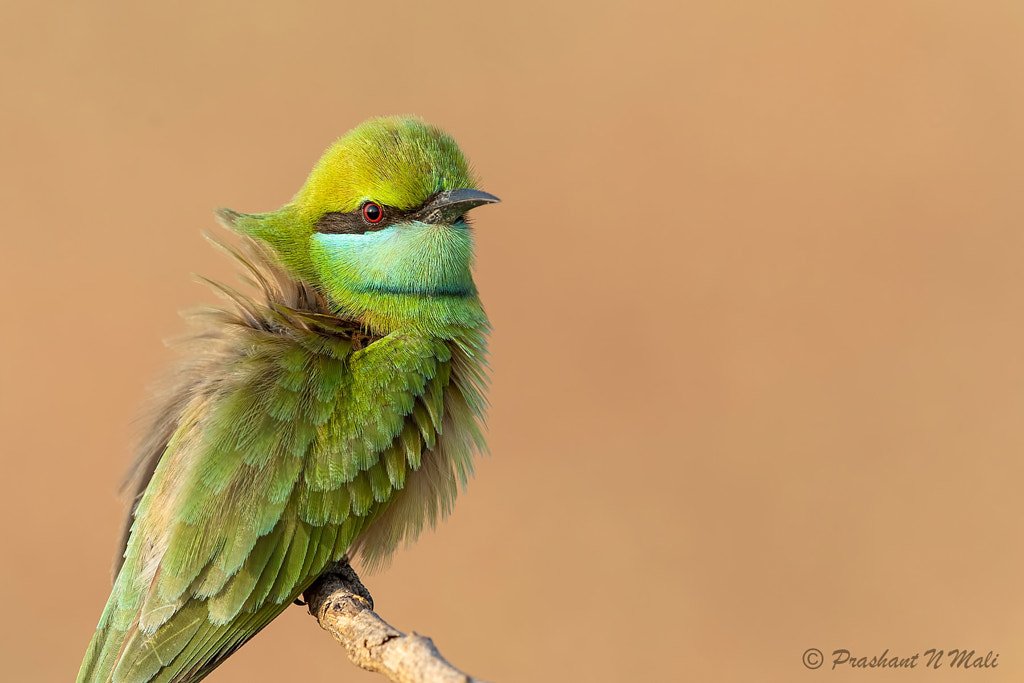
{"points": [[289, 441]]}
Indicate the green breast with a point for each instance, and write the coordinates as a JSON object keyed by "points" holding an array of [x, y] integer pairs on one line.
{"points": [[297, 448]]}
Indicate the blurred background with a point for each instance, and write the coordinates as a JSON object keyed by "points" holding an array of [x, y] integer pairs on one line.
{"points": [[758, 306]]}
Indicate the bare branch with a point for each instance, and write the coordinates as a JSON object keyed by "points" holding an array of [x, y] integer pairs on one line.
{"points": [[344, 608]]}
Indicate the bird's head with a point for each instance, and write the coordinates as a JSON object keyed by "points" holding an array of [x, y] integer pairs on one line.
{"points": [[380, 227]]}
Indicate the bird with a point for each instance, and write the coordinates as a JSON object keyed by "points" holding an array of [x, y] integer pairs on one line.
{"points": [[333, 409]]}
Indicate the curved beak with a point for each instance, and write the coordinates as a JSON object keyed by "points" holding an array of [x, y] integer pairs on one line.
{"points": [[447, 206]]}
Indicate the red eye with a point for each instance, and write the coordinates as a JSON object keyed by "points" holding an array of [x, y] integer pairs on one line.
{"points": [[372, 212]]}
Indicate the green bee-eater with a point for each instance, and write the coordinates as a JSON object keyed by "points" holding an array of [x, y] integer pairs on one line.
{"points": [[335, 412]]}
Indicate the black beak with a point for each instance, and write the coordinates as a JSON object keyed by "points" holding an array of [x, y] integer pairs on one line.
{"points": [[447, 206]]}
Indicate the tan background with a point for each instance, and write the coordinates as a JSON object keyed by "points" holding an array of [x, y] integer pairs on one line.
{"points": [[756, 285]]}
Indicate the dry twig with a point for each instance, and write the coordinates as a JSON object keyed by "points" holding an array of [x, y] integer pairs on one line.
{"points": [[344, 608]]}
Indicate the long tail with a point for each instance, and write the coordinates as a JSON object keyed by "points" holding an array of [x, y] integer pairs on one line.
{"points": [[185, 649]]}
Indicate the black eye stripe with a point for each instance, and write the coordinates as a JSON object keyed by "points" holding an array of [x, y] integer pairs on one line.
{"points": [[341, 223], [357, 222], [364, 219]]}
